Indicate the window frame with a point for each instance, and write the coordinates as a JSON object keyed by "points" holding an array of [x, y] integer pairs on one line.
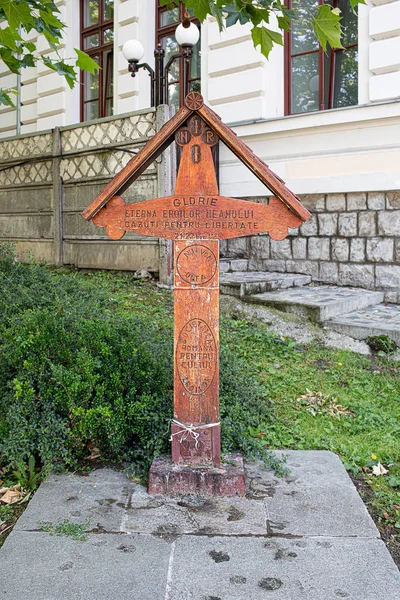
{"points": [[288, 56], [163, 31], [104, 56]]}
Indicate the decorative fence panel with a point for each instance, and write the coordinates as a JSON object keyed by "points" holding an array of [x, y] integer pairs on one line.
{"points": [[46, 179]]}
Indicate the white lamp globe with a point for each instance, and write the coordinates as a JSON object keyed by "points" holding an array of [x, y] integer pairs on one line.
{"points": [[187, 36], [133, 50]]}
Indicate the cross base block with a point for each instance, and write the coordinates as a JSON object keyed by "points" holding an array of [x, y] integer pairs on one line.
{"points": [[170, 479]]}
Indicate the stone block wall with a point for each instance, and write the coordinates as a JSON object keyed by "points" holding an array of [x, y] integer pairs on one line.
{"points": [[48, 178], [350, 240]]}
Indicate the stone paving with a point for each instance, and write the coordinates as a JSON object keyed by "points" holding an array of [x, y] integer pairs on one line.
{"points": [[319, 303], [382, 319], [228, 265], [256, 282], [305, 537]]}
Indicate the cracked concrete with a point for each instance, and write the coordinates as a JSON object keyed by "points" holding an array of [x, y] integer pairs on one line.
{"points": [[306, 536]]}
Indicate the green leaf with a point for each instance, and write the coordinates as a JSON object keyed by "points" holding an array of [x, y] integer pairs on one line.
{"points": [[50, 20], [30, 46], [327, 27], [233, 15], [265, 38], [394, 481], [5, 99], [217, 12], [10, 60], [284, 23], [61, 68], [257, 15], [201, 8], [66, 71], [85, 63], [53, 41], [355, 2], [28, 60], [169, 3], [9, 38], [17, 13]]}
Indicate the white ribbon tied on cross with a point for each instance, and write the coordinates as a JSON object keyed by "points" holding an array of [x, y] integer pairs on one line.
{"points": [[188, 431]]}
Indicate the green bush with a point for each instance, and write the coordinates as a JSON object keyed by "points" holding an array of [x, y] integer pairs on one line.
{"points": [[79, 371]]}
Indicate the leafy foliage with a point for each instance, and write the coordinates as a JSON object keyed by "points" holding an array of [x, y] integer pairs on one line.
{"points": [[26, 475], [324, 20], [23, 17], [381, 343], [82, 369]]}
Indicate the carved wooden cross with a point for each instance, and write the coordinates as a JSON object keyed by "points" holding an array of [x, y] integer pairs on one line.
{"points": [[196, 217]]}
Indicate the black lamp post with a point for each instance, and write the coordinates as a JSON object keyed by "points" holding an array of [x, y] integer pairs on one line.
{"points": [[187, 35]]}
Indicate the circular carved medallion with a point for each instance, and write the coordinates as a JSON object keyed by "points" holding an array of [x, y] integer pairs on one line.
{"points": [[196, 356], [196, 264], [194, 101], [183, 136]]}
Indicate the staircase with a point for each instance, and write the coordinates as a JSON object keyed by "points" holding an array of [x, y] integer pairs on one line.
{"points": [[355, 312]]}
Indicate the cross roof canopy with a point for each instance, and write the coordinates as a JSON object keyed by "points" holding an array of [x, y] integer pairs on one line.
{"points": [[194, 104]]}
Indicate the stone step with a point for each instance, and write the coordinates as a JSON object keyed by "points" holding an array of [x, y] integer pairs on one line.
{"points": [[232, 265], [381, 319], [255, 282], [318, 303]]}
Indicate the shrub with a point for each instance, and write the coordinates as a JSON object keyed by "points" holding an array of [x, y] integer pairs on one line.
{"points": [[78, 371]]}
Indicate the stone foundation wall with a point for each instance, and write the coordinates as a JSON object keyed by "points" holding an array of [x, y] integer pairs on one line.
{"points": [[350, 240], [48, 178]]}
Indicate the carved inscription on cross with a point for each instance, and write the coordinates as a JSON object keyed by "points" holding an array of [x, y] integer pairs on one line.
{"points": [[196, 217]]}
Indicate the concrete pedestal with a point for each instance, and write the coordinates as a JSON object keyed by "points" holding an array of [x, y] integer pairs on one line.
{"points": [[170, 479]]}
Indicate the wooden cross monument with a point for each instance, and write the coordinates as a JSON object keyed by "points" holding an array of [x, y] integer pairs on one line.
{"points": [[196, 217]]}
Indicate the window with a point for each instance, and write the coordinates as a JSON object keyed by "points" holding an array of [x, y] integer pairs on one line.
{"points": [[166, 23], [314, 79], [97, 35]]}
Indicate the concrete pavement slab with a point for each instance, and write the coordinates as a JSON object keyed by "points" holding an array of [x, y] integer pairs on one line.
{"points": [[317, 498], [307, 536], [111, 567], [80, 499], [308, 569], [225, 516]]}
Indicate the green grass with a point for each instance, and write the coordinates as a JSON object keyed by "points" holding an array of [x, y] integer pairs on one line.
{"points": [[9, 515], [368, 388], [260, 391], [76, 531]]}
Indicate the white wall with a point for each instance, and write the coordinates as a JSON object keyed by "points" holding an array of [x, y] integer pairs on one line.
{"points": [[343, 150], [233, 73], [384, 50]]}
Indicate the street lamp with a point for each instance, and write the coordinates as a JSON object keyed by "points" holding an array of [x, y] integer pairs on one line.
{"points": [[187, 35]]}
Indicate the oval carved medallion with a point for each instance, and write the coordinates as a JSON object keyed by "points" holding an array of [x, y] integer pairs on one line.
{"points": [[196, 356]]}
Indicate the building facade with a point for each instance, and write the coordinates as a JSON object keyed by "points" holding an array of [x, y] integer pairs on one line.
{"points": [[328, 124]]}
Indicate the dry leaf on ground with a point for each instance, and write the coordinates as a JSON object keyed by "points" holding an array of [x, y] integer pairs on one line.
{"points": [[318, 403], [11, 495], [379, 470]]}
